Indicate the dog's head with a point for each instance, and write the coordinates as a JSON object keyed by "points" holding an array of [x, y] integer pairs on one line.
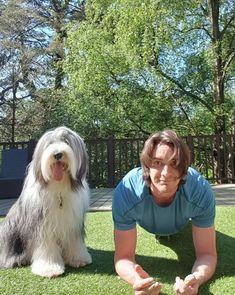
{"points": [[60, 153]]}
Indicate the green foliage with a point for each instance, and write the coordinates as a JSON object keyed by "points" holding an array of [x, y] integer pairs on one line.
{"points": [[32, 35], [147, 65], [133, 66], [123, 100]]}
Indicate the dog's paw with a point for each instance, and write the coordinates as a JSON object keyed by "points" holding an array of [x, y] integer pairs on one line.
{"points": [[80, 261], [47, 270]]}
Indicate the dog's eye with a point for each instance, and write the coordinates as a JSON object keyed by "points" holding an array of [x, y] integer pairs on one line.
{"points": [[66, 140]]}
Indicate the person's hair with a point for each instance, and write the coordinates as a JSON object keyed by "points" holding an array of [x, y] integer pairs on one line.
{"points": [[181, 152]]}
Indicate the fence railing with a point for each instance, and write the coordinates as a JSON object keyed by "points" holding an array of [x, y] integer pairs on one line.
{"points": [[110, 159], [214, 156]]}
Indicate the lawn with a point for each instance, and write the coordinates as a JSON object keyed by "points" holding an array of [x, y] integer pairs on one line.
{"points": [[162, 259]]}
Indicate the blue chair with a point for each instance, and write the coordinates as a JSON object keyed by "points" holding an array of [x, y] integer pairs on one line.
{"points": [[12, 174]]}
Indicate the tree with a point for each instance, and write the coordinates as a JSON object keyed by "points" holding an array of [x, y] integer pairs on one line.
{"points": [[55, 15], [32, 42], [18, 55], [148, 65]]}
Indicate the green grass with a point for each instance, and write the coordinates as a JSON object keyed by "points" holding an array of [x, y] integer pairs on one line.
{"points": [[162, 259]]}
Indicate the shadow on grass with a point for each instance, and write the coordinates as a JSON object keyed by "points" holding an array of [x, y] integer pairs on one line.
{"points": [[164, 269], [186, 258]]}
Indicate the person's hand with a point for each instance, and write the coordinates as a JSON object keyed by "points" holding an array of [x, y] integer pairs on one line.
{"points": [[144, 284], [188, 286]]}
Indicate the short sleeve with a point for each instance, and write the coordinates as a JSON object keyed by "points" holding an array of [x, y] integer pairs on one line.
{"points": [[206, 214], [120, 208]]}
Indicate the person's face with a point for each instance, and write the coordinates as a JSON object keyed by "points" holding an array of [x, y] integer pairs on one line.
{"points": [[164, 176]]}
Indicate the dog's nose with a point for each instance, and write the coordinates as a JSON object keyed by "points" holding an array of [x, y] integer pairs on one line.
{"points": [[58, 156]]}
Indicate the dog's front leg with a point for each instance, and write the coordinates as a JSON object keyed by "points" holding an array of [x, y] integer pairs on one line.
{"points": [[76, 253], [47, 260]]}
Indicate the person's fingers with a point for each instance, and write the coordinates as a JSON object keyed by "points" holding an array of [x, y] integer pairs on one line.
{"points": [[142, 273], [155, 288], [145, 283], [190, 280], [141, 284], [179, 285], [177, 280], [186, 286]]}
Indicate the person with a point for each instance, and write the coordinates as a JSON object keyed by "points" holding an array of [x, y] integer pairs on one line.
{"points": [[161, 196]]}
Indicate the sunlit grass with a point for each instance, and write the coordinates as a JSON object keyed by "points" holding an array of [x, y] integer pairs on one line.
{"points": [[163, 259]]}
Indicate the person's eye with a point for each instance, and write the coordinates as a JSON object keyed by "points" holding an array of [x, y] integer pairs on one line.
{"points": [[173, 163], [156, 162]]}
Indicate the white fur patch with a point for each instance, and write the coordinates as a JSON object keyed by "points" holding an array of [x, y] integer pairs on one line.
{"points": [[53, 212]]}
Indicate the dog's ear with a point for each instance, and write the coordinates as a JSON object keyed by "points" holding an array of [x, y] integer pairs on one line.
{"points": [[38, 174], [82, 167], [37, 156], [81, 158], [82, 171]]}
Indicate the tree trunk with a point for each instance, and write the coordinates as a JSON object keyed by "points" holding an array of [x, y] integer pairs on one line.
{"points": [[218, 81], [14, 89], [60, 11], [218, 90]]}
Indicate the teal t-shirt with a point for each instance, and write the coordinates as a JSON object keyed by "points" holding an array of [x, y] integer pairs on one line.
{"points": [[133, 204]]}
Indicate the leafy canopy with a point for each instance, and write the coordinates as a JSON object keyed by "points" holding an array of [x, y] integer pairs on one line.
{"points": [[138, 66]]}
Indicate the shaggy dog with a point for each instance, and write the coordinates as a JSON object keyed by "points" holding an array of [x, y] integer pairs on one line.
{"points": [[45, 227]]}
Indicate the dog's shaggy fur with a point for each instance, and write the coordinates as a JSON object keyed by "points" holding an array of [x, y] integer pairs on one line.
{"points": [[45, 227]]}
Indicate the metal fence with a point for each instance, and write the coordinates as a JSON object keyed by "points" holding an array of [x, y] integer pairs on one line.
{"points": [[110, 159]]}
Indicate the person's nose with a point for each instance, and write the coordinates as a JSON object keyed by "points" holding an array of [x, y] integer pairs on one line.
{"points": [[165, 170]]}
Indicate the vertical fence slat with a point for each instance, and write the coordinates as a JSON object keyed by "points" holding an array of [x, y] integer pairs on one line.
{"points": [[111, 162]]}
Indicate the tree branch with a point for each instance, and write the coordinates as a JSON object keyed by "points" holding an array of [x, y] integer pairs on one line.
{"points": [[227, 25], [190, 94], [228, 62], [185, 114], [196, 28], [2, 98]]}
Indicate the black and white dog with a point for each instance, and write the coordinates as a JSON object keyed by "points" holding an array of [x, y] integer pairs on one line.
{"points": [[45, 227]]}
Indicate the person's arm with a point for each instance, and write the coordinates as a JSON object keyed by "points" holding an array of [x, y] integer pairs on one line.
{"points": [[205, 264], [126, 267], [206, 255]]}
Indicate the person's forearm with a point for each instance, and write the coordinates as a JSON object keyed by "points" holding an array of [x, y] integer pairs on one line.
{"points": [[125, 268], [204, 267]]}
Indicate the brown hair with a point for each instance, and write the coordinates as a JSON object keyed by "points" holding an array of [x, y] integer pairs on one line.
{"points": [[168, 137]]}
